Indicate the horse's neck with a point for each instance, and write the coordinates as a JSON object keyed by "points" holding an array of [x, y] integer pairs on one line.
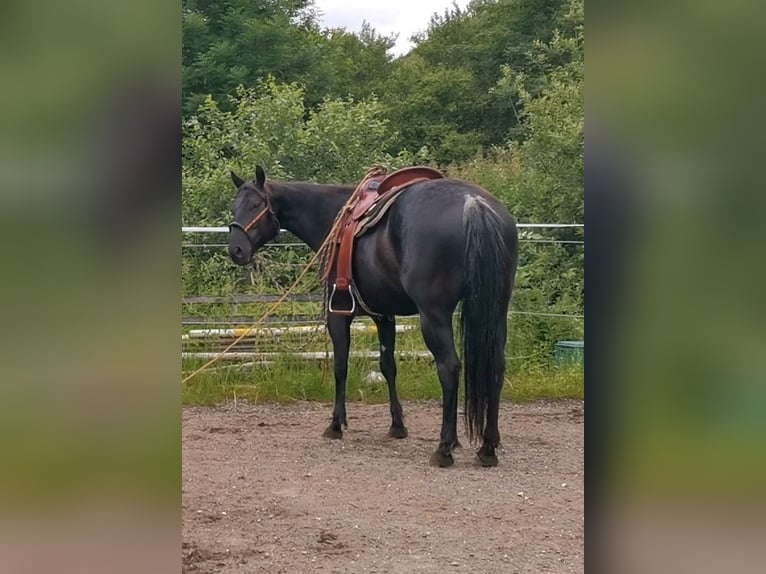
{"points": [[309, 210]]}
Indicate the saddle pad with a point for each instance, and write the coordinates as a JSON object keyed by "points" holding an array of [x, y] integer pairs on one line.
{"points": [[377, 210]]}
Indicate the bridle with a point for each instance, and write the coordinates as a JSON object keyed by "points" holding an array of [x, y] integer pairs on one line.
{"points": [[267, 210]]}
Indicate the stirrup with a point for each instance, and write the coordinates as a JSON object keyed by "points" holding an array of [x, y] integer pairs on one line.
{"points": [[341, 311]]}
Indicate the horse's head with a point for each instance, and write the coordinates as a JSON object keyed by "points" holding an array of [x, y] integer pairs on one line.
{"points": [[254, 220]]}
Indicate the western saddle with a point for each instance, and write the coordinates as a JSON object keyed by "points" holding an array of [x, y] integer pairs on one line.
{"points": [[366, 207]]}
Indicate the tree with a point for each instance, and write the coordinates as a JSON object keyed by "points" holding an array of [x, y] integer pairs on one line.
{"points": [[349, 64], [552, 153], [227, 43], [433, 106], [442, 93], [231, 42]]}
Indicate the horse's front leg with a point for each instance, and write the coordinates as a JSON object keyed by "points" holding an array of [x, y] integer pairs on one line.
{"points": [[387, 338], [339, 327]]}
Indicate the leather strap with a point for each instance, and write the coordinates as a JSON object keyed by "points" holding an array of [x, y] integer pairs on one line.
{"points": [[345, 253]]}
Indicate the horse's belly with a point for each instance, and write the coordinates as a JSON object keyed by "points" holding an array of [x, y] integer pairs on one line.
{"points": [[389, 306], [383, 294], [377, 274]]}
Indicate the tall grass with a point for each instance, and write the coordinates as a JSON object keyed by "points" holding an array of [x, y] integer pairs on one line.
{"points": [[529, 375]]}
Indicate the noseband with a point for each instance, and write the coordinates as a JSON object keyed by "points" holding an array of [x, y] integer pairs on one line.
{"points": [[254, 221]]}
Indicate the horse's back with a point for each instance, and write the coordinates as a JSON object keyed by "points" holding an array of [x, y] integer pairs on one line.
{"points": [[418, 251], [435, 213]]}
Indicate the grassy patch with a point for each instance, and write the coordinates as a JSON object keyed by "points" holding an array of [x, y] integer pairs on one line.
{"points": [[291, 380], [544, 383], [531, 374]]}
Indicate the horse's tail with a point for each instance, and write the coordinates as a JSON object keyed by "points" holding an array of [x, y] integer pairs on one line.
{"points": [[489, 276]]}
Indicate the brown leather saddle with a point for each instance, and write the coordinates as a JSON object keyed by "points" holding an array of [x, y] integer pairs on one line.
{"points": [[378, 193]]}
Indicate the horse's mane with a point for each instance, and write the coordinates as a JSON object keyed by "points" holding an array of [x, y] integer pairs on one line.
{"points": [[330, 188]]}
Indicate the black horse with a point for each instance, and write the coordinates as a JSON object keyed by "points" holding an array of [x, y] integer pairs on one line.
{"points": [[443, 241]]}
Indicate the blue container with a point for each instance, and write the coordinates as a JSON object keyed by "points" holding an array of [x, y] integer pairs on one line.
{"points": [[569, 352]]}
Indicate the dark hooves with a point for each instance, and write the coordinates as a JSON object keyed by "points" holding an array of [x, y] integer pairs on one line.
{"points": [[441, 460], [398, 432], [486, 459], [332, 432]]}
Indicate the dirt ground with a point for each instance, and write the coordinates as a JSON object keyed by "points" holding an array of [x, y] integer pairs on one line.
{"points": [[263, 491]]}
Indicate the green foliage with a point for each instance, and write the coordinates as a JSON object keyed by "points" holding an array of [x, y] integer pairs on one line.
{"points": [[442, 95], [240, 42], [446, 83], [231, 42], [552, 154], [269, 125], [349, 65], [433, 106]]}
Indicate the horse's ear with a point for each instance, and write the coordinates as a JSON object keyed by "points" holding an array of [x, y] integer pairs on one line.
{"points": [[238, 181], [260, 176]]}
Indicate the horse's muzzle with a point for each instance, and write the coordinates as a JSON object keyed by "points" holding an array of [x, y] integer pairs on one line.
{"points": [[240, 245]]}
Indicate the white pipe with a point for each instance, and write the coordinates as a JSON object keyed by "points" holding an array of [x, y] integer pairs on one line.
{"points": [[192, 229], [314, 356], [196, 333], [195, 229]]}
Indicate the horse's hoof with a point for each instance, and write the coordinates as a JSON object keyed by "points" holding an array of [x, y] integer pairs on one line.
{"points": [[332, 432], [441, 460], [398, 432], [486, 459]]}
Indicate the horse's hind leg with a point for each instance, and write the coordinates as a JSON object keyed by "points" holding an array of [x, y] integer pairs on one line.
{"points": [[339, 327], [491, 436], [386, 337], [437, 333]]}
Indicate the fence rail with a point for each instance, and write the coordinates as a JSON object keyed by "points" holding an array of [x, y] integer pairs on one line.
{"points": [[201, 229], [299, 334]]}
